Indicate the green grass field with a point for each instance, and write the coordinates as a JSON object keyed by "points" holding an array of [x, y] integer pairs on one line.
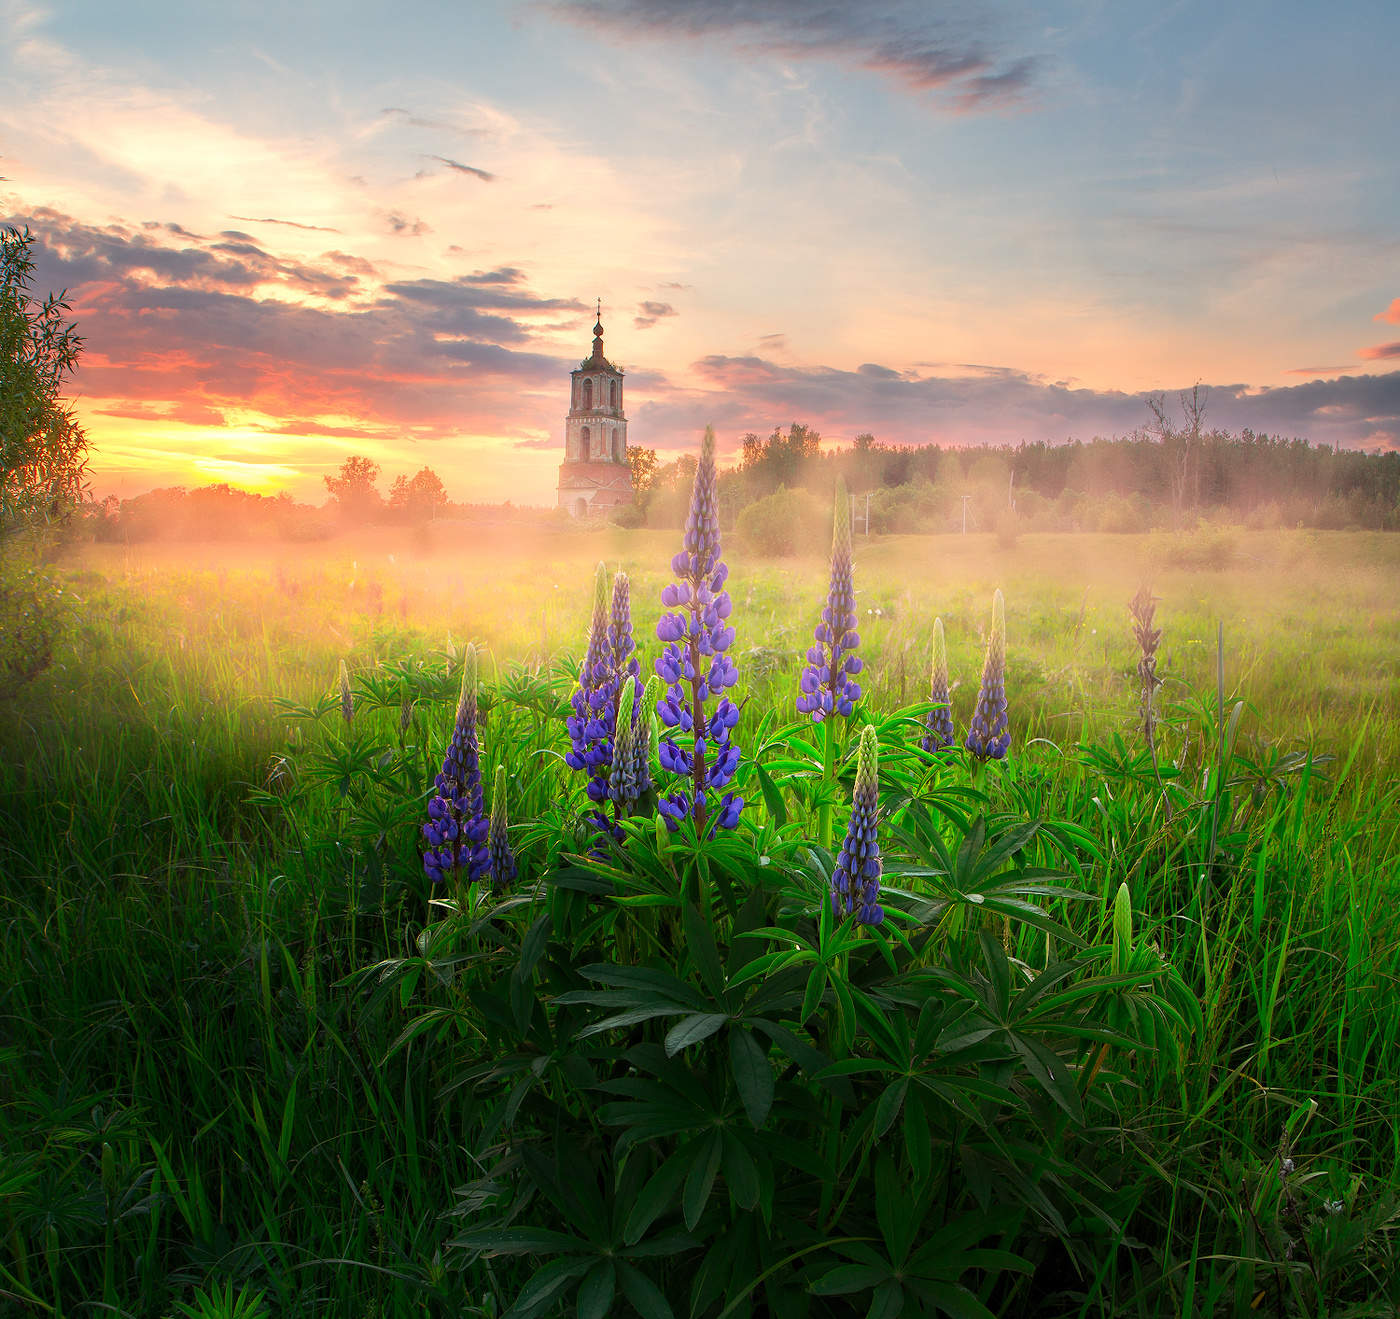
{"points": [[206, 1094]]}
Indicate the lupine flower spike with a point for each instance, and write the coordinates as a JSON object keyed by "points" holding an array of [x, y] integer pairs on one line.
{"points": [[630, 777], [697, 747], [940, 719], [503, 868], [624, 660], [591, 723], [456, 829], [855, 883], [347, 701], [989, 734], [828, 682]]}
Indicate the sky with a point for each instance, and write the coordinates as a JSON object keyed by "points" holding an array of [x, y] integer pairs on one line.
{"points": [[295, 232]]}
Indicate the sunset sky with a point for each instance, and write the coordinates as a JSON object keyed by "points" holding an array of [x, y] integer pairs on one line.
{"points": [[292, 232]]}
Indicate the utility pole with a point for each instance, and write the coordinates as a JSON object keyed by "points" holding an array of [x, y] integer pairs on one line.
{"points": [[965, 498]]}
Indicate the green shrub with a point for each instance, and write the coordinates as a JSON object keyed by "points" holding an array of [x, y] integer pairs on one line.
{"points": [[786, 522]]}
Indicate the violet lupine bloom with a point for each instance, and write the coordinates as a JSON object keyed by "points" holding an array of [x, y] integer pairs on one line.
{"points": [[594, 699], [456, 828], [503, 867], [695, 667], [828, 681], [989, 734], [939, 722], [855, 883], [624, 661]]}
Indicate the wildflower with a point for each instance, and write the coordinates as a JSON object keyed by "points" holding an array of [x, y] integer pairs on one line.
{"points": [[694, 666], [989, 734], [624, 662], [1141, 609], [456, 828], [503, 868], [940, 736], [593, 701], [855, 883], [630, 779], [828, 682], [347, 701]]}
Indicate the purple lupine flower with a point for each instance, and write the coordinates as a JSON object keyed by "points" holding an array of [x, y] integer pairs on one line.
{"points": [[855, 883], [503, 867], [828, 682], [456, 829], [694, 667], [624, 660], [939, 722], [593, 701], [989, 734]]}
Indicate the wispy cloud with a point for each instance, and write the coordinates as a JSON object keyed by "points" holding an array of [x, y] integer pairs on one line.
{"points": [[484, 175], [648, 313], [1381, 351], [1391, 313], [920, 46], [291, 224]]}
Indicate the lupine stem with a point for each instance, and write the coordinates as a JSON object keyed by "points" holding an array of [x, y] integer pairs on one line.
{"points": [[697, 713], [824, 790]]}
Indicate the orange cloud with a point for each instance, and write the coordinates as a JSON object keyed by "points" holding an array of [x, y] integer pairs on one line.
{"points": [[1381, 351], [1391, 313]]}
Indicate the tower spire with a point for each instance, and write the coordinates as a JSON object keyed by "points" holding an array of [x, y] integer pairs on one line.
{"points": [[598, 332]]}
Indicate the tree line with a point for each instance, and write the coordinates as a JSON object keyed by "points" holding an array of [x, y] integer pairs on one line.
{"points": [[1170, 474]]}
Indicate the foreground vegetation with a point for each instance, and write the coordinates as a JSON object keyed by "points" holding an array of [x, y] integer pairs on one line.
{"points": [[243, 1053]]}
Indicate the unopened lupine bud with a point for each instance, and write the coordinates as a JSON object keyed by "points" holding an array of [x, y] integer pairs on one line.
{"points": [[940, 719], [828, 685], [855, 882], [347, 700], [989, 734], [503, 867]]}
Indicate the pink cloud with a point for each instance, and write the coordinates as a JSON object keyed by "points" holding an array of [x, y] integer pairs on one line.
{"points": [[1381, 351], [1391, 314]]}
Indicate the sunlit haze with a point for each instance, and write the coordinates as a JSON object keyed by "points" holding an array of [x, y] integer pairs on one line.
{"points": [[291, 233]]}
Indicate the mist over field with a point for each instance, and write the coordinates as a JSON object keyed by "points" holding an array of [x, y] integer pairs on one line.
{"points": [[730, 660]]}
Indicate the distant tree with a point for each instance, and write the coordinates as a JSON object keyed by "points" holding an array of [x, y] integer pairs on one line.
{"points": [[864, 442], [1181, 445], [643, 465], [416, 498], [353, 489], [781, 459], [43, 450]]}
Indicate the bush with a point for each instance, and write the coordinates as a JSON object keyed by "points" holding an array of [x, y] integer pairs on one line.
{"points": [[31, 619], [627, 515], [786, 522], [1205, 547]]}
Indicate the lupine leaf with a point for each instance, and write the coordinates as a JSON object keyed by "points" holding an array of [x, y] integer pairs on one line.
{"points": [[691, 1030], [753, 1075], [595, 1293]]}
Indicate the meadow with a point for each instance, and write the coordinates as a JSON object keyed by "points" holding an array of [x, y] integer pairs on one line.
{"points": [[1126, 1044]]}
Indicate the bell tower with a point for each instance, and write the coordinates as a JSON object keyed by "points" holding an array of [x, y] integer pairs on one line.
{"points": [[595, 475]]}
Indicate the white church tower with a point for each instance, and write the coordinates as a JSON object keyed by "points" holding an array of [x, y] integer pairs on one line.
{"points": [[595, 476]]}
